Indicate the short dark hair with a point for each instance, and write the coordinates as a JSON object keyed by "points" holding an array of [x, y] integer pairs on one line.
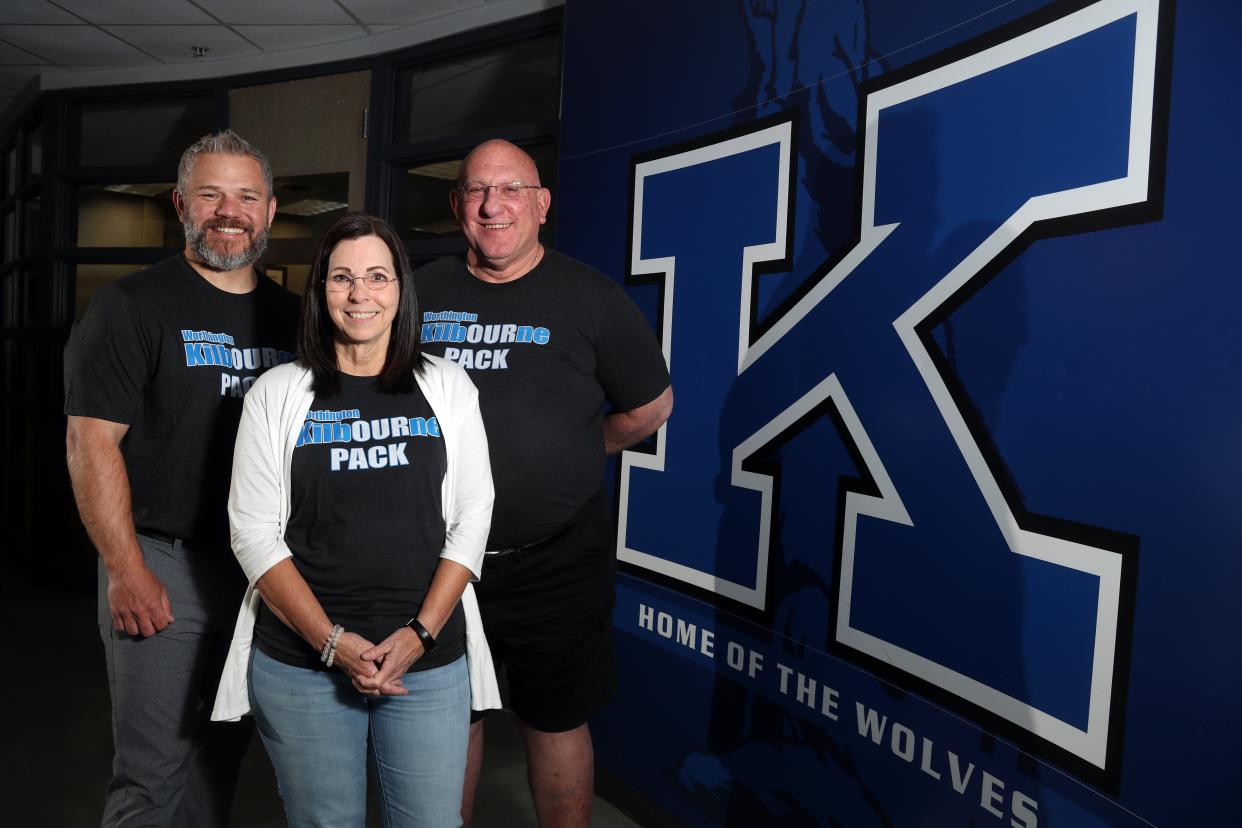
{"points": [[317, 332]]}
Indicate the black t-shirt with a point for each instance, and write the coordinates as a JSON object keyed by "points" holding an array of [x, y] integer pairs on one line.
{"points": [[366, 524], [545, 351], [170, 355]]}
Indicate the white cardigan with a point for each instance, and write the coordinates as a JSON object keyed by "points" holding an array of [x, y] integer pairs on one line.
{"points": [[272, 417]]}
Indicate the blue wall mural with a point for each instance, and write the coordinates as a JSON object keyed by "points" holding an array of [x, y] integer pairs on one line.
{"points": [[941, 531]]}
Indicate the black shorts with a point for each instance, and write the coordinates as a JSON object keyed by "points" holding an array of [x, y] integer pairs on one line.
{"points": [[548, 618]]}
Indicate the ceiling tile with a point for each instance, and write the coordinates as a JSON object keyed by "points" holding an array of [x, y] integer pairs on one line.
{"points": [[33, 11], [404, 11], [149, 12], [276, 11], [73, 45], [173, 43], [12, 54], [276, 38]]}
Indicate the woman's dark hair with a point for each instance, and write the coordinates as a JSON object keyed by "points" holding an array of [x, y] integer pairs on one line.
{"points": [[317, 332]]}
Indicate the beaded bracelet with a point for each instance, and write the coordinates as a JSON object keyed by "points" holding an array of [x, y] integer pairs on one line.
{"points": [[328, 653]]}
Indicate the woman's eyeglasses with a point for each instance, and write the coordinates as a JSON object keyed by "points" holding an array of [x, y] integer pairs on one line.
{"points": [[339, 282]]}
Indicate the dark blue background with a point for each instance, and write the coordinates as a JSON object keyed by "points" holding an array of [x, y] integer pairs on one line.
{"points": [[1101, 364]]}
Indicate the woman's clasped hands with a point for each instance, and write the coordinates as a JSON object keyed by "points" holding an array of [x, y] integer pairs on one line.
{"points": [[377, 669]]}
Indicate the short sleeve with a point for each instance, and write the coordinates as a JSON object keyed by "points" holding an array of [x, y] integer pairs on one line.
{"points": [[629, 364], [108, 360]]}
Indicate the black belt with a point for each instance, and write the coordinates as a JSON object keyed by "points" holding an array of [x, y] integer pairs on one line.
{"points": [[534, 546], [162, 538]]}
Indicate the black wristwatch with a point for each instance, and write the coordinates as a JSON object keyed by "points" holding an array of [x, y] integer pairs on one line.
{"points": [[429, 640]]}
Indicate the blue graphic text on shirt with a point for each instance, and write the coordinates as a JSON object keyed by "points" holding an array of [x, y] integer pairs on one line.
{"points": [[219, 350], [348, 426], [463, 327]]}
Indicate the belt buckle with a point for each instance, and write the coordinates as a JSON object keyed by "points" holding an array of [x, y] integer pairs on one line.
{"points": [[500, 553]]}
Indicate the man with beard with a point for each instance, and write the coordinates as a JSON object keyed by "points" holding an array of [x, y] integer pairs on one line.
{"points": [[154, 375]]}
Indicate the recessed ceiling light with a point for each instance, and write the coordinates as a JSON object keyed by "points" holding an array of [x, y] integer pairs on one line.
{"points": [[446, 170], [310, 207], [147, 190]]}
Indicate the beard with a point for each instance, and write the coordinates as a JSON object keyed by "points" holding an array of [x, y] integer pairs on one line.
{"points": [[223, 259]]}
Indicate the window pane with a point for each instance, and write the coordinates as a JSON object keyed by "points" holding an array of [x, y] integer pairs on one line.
{"points": [[33, 227], [515, 83], [142, 133], [422, 207], [10, 170], [14, 299], [34, 147], [292, 276], [128, 215], [91, 277], [8, 356], [426, 213], [305, 206], [10, 235]]}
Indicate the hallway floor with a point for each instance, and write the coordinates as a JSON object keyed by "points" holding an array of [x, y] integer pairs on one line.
{"points": [[58, 745]]}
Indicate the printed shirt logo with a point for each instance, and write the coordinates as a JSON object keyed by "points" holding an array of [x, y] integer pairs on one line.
{"points": [[464, 327], [218, 350], [347, 426]]}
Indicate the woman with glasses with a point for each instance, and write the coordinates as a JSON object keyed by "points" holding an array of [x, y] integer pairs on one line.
{"points": [[360, 504]]}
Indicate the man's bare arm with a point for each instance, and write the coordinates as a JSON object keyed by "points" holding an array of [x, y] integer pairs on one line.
{"points": [[136, 598], [623, 429]]}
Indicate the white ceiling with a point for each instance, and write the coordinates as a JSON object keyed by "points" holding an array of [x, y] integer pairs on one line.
{"points": [[70, 43]]}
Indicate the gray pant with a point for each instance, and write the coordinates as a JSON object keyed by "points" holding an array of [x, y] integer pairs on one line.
{"points": [[172, 766]]}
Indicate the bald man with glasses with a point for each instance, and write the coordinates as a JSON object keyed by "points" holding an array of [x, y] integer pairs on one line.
{"points": [[551, 344]]}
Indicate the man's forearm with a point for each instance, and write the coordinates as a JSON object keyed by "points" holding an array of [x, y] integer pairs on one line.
{"points": [[101, 488], [136, 598], [623, 429]]}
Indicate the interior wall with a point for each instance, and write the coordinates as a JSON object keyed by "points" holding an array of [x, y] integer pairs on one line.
{"points": [[308, 126]]}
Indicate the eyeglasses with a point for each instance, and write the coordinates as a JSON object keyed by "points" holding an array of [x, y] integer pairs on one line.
{"points": [[339, 282], [508, 191]]}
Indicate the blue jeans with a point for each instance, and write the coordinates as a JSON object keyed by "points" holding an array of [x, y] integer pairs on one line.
{"points": [[315, 727]]}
